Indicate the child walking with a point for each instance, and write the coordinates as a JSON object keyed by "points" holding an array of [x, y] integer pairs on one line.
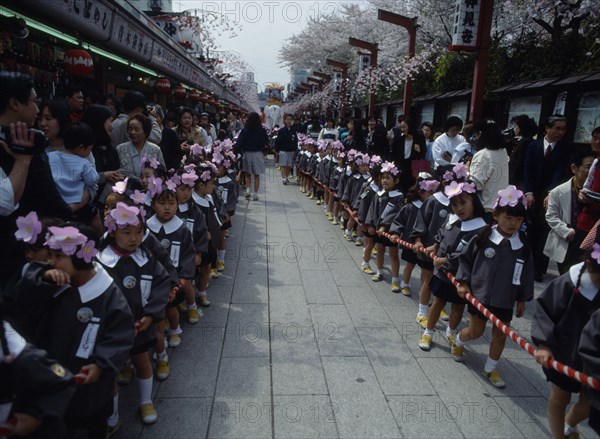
{"points": [[497, 268], [363, 204]]}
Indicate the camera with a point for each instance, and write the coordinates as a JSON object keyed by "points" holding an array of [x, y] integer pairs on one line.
{"points": [[40, 141]]}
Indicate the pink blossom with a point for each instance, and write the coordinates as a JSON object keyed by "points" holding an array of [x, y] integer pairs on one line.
{"points": [[154, 163], [460, 170], [65, 239], [227, 164], [469, 188], [217, 157], [189, 179], [448, 176], [453, 189], [171, 185], [87, 251], [196, 149], [137, 197], [509, 196], [110, 224], [29, 227], [154, 186], [142, 212], [596, 253], [390, 168], [176, 178], [429, 185], [125, 215], [120, 187], [206, 176]]}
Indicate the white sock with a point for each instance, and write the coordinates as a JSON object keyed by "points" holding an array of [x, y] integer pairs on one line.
{"points": [[348, 231], [428, 332], [404, 284], [490, 365], [569, 429], [221, 255], [458, 341], [113, 419], [145, 385], [198, 294], [178, 330], [450, 331], [162, 356], [423, 310], [379, 272], [364, 264], [394, 279], [248, 190]]}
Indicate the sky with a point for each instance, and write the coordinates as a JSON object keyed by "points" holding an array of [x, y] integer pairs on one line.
{"points": [[266, 24]]}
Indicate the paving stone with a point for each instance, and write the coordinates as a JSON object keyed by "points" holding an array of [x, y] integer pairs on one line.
{"points": [[528, 414], [247, 332], [304, 416], [358, 294], [320, 287], [251, 286], [368, 315], [424, 417], [185, 418], [334, 331]]}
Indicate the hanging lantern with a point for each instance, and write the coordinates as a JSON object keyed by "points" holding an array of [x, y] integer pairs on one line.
{"points": [[194, 95], [204, 97], [179, 91], [162, 85], [78, 62]]}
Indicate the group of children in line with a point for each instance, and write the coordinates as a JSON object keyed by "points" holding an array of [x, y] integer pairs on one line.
{"points": [[98, 305], [444, 229]]}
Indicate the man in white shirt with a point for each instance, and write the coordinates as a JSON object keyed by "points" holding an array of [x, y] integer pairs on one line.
{"points": [[444, 146]]}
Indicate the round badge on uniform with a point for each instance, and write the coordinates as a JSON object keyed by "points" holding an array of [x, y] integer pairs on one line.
{"points": [[129, 282], [165, 243], [443, 213], [489, 253], [84, 315]]}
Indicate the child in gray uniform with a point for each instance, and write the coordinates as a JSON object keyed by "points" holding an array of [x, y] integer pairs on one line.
{"points": [[483, 267]]}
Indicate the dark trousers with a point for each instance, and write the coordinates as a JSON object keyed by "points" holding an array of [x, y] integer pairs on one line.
{"points": [[537, 231]]}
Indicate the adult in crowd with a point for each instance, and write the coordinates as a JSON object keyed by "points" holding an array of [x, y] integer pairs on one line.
{"points": [[427, 130], [208, 127], [73, 94], [134, 103], [545, 165], [377, 141], [251, 142], [99, 119], [187, 133], [356, 138], [489, 166], [169, 143], [26, 181], [113, 102], [234, 126], [524, 129], [564, 206], [444, 146], [590, 212], [131, 153], [407, 145], [465, 151], [286, 145], [221, 126], [329, 132]]}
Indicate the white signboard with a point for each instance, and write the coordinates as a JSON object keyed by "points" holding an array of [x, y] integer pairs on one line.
{"points": [[465, 28]]}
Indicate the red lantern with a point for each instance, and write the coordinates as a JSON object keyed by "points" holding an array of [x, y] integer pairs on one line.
{"points": [[179, 91], [194, 95], [162, 85], [78, 62]]}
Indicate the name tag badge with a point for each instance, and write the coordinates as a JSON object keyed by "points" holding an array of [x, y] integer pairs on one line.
{"points": [[174, 254], [516, 280], [88, 340], [461, 245], [217, 217], [190, 224], [387, 209], [443, 213], [224, 195], [145, 288]]}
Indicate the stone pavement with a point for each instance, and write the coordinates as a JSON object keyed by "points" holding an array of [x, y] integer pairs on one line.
{"points": [[299, 343]]}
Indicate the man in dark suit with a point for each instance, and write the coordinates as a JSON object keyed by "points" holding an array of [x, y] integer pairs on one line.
{"points": [[545, 165]]}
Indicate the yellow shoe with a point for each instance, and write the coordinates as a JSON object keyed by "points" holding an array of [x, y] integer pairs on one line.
{"points": [[358, 243], [148, 412], [182, 307], [220, 266], [444, 315], [457, 352], [125, 375], [494, 378], [302, 190], [311, 196], [162, 370], [451, 338], [422, 321], [319, 202], [367, 269], [354, 234], [377, 277], [335, 222], [174, 340], [193, 316], [203, 300], [573, 435], [330, 216], [425, 342], [405, 291], [214, 273], [226, 234], [396, 287], [342, 225], [374, 251]]}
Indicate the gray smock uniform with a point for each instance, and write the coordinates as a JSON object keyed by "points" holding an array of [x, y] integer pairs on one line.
{"points": [[226, 188], [176, 238], [431, 217], [589, 350], [403, 226], [363, 202], [384, 208], [334, 178], [213, 222], [355, 185], [343, 182], [196, 223]]}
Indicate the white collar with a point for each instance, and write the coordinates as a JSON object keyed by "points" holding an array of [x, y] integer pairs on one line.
{"points": [[327, 157], [586, 287], [147, 199], [309, 154], [319, 159], [224, 179], [200, 200], [442, 198], [15, 342], [340, 168], [96, 286], [472, 224], [515, 241], [394, 193], [109, 258], [453, 218], [417, 203], [170, 226], [366, 175], [374, 186], [183, 207]]}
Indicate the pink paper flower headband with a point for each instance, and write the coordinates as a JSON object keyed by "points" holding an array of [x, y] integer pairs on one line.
{"points": [[458, 172], [429, 185], [70, 241], [206, 171], [454, 189], [390, 168], [323, 145], [28, 228], [337, 145], [375, 161], [153, 162], [123, 216], [511, 196], [120, 187], [596, 253], [362, 159]]}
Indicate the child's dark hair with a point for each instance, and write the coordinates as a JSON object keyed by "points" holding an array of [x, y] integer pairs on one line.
{"points": [[591, 265], [478, 209], [375, 171], [412, 194], [519, 210], [160, 170], [165, 194], [78, 134]]}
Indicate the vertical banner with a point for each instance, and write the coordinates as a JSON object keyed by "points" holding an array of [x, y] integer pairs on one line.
{"points": [[465, 29]]}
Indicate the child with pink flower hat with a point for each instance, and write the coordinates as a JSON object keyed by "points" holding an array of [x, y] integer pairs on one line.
{"points": [[496, 266], [70, 306]]}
